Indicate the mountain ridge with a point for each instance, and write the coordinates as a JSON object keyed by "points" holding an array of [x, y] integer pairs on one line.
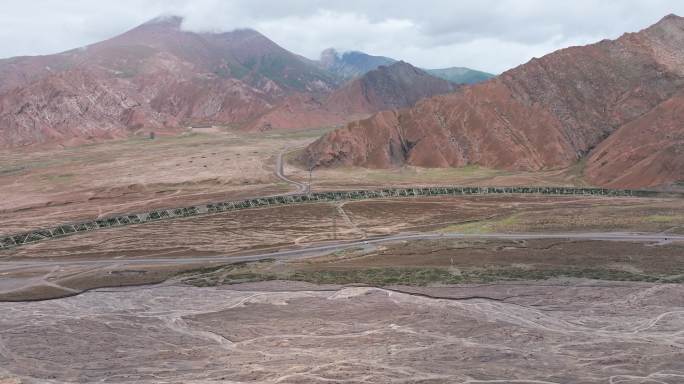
{"points": [[544, 114], [397, 85], [160, 77], [351, 64]]}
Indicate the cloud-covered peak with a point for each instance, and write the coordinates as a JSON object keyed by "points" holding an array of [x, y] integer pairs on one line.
{"points": [[166, 20], [492, 35]]}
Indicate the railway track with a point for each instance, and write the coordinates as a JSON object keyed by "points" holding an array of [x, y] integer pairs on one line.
{"points": [[38, 235]]}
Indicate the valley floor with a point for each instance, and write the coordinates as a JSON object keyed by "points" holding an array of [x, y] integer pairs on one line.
{"points": [[466, 289], [42, 187]]}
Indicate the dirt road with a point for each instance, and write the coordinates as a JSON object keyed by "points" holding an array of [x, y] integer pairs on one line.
{"points": [[279, 172]]}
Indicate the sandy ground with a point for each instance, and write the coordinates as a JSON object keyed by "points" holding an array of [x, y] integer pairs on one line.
{"points": [[47, 186], [556, 332]]}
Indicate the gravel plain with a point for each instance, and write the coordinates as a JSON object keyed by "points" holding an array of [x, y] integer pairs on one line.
{"points": [[557, 331]]}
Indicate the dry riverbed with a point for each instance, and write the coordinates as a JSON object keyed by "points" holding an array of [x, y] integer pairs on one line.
{"points": [[558, 331]]}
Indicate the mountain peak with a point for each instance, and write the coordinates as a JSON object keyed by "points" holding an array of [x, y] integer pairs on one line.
{"points": [[669, 21], [167, 21], [398, 67], [329, 57], [672, 16], [351, 64], [399, 64], [244, 33]]}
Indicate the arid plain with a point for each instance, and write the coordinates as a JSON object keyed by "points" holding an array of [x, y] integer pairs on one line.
{"points": [[255, 295]]}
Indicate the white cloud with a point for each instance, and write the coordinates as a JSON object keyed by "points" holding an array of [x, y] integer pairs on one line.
{"points": [[491, 35]]}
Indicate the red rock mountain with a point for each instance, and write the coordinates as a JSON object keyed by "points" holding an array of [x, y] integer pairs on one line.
{"points": [[647, 151], [161, 77], [547, 113], [156, 76], [398, 85]]}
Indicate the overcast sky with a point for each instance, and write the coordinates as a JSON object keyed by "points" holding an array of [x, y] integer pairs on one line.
{"points": [[491, 35]]}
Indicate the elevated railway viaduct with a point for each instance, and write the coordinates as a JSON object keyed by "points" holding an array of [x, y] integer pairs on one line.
{"points": [[11, 241]]}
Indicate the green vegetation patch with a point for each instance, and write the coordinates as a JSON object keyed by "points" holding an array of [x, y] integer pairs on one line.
{"points": [[485, 226], [427, 276], [227, 274], [279, 134], [60, 178], [664, 218], [6, 171], [379, 276], [265, 271]]}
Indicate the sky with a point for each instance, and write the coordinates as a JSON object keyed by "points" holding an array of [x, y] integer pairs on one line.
{"points": [[489, 35]]}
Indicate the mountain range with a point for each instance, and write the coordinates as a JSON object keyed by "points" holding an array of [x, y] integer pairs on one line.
{"points": [[354, 64], [159, 77], [614, 106], [398, 85]]}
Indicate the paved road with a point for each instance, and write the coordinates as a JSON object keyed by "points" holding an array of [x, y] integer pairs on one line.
{"points": [[301, 187], [341, 245]]}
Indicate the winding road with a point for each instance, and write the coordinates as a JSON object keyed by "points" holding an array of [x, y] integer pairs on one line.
{"points": [[302, 188]]}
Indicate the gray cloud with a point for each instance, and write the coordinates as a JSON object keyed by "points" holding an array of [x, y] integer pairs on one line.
{"points": [[491, 35]]}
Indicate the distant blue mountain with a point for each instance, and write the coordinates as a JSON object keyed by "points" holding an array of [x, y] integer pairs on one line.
{"points": [[353, 64], [460, 75]]}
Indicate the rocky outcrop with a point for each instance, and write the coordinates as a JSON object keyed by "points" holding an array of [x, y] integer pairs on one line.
{"points": [[468, 127], [74, 105], [547, 113]]}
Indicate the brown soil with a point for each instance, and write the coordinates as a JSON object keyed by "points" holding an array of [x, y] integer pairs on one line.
{"points": [[286, 226], [51, 186], [526, 255]]}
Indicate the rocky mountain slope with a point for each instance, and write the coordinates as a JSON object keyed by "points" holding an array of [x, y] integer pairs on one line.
{"points": [[398, 85], [160, 77], [547, 113], [395, 86], [156, 76], [647, 151]]}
